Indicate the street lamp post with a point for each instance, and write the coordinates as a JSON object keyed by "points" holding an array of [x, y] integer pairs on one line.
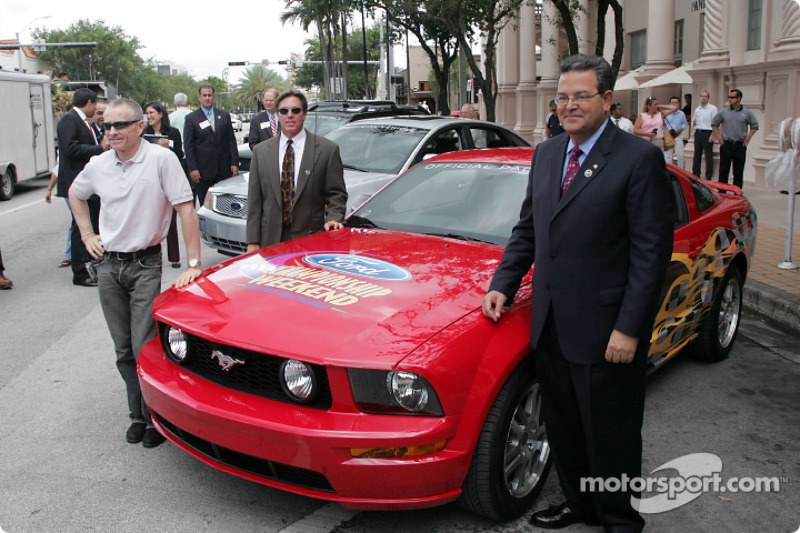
{"points": [[19, 50]]}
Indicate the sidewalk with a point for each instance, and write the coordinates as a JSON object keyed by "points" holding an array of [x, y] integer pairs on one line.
{"points": [[770, 291]]}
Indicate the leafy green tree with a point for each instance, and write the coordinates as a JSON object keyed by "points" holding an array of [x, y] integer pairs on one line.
{"points": [[257, 79]]}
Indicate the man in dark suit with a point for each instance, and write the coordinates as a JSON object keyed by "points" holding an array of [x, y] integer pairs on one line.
{"points": [[598, 222], [296, 181], [209, 145], [77, 143], [265, 125]]}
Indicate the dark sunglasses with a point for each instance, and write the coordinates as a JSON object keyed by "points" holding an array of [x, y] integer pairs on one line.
{"points": [[294, 110], [119, 125]]}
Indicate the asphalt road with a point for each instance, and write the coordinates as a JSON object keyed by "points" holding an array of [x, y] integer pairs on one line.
{"points": [[65, 466]]}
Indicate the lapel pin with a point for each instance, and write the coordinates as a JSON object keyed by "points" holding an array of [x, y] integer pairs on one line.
{"points": [[594, 166], [588, 173], [308, 172]]}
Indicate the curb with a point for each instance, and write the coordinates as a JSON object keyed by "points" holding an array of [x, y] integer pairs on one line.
{"points": [[774, 304]]}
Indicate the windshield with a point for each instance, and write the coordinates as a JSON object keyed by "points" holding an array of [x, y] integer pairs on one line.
{"points": [[320, 123], [376, 148], [471, 201]]}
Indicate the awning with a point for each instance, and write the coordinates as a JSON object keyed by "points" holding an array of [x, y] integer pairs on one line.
{"points": [[628, 81], [679, 76]]}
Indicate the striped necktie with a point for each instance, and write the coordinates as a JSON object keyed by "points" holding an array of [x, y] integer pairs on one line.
{"points": [[572, 168]]}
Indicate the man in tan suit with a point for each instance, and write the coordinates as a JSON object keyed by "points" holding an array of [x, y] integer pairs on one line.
{"points": [[296, 182]]}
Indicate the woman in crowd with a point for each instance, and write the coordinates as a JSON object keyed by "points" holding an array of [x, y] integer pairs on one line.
{"points": [[158, 124], [650, 122]]}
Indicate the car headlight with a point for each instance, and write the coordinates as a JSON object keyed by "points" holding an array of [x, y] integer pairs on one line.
{"points": [[209, 201], [298, 380], [175, 344], [394, 392]]}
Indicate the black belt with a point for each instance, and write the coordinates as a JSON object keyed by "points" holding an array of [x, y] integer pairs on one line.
{"points": [[133, 256], [735, 142]]}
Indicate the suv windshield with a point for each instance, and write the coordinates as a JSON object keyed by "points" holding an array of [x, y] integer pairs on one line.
{"points": [[376, 148]]}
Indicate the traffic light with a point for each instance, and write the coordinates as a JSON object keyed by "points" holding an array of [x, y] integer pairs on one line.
{"points": [[237, 63]]}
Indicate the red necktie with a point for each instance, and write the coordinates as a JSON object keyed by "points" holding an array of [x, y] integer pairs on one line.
{"points": [[287, 184], [572, 168], [273, 125], [92, 130]]}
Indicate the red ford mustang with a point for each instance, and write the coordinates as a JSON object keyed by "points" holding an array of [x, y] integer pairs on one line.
{"points": [[355, 365]]}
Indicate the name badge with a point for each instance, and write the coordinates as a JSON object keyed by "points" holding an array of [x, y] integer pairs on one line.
{"points": [[204, 125], [265, 125]]}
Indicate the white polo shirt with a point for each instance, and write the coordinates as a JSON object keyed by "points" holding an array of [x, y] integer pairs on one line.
{"points": [[136, 196]]}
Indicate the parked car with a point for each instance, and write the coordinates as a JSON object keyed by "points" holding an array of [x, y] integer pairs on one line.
{"points": [[327, 115], [236, 122], [374, 151], [355, 365]]}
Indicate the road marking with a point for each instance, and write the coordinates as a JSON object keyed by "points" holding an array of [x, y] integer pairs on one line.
{"points": [[17, 209], [323, 520]]}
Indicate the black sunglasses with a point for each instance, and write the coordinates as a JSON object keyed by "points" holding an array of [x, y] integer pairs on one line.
{"points": [[119, 125], [294, 110]]}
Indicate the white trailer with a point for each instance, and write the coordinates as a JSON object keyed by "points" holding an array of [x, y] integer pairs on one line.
{"points": [[27, 134]]}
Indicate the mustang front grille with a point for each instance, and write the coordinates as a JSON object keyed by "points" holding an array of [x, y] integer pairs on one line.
{"points": [[247, 371]]}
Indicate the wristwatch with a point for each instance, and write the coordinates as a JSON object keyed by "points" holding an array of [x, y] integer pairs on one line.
{"points": [[194, 263]]}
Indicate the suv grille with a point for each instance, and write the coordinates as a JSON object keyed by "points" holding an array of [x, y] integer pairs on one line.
{"points": [[231, 205], [257, 375]]}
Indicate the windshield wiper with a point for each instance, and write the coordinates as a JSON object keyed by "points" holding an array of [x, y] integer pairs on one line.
{"points": [[351, 167], [459, 237], [355, 221]]}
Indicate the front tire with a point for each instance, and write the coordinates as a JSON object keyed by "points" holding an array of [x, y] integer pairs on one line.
{"points": [[512, 458], [6, 185], [720, 326]]}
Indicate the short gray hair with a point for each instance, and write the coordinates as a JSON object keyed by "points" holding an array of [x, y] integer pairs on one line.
{"points": [[181, 99], [584, 62], [134, 109]]}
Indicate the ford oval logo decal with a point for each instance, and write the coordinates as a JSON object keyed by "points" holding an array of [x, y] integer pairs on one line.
{"points": [[236, 206], [357, 265]]}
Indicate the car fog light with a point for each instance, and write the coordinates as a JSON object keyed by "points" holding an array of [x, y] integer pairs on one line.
{"points": [[178, 344], [408, 389], [298, 381]]}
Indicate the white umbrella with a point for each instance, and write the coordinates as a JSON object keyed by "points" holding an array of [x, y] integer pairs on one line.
{"points": [[678, 76], [627, 82]]}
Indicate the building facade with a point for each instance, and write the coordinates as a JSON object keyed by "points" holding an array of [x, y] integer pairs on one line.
{"points": [[750, 45]]}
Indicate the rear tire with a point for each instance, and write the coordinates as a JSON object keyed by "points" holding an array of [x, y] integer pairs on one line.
{"points": [[512, 458], [721, 325], [7, 185]]}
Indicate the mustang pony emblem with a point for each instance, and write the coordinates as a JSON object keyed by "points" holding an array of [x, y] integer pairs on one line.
{"points": [[225, 361]]}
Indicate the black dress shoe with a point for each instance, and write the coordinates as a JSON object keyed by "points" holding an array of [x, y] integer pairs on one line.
{"points": [[85, 283], [135, 433], [557, 517], [152, 438]]}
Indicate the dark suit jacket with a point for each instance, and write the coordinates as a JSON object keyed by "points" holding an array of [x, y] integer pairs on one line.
{"points": [[601, 250], [76, 146], [212, 152], [320, 183], [257, 133]]}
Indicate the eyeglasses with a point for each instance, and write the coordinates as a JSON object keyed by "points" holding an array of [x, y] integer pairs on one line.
{"points": [[294, 110], [579, 100], [119, 125]]}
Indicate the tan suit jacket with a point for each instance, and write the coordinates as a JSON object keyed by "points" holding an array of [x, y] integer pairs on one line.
{"points": [[320, 193]]}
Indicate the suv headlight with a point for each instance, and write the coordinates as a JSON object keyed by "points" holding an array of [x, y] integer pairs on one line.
{"points": [[393, 392]]}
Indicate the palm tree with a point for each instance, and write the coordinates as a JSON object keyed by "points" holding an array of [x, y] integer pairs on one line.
{"points": [[257, 79]]}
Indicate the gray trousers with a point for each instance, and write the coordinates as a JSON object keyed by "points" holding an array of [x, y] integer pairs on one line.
{"points": [[127, 290]]}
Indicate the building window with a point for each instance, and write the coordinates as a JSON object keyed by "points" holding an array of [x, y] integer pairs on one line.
{"points": [[678, 47], [754, 25], [424, 86], [638, 48]]}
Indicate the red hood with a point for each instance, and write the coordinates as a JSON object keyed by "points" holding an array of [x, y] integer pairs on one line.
{"points": [[349, 296]]}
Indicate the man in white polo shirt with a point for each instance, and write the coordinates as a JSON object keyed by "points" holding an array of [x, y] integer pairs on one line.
{"points": [[138, 183]]}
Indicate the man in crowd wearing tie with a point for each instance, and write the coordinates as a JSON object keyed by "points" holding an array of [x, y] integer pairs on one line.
{"points": [[99, 118], [618, 118], [703, 141], [265, 125], [597, 219], [296, 182], [77, 143], [209, 145], [734, 126]]}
